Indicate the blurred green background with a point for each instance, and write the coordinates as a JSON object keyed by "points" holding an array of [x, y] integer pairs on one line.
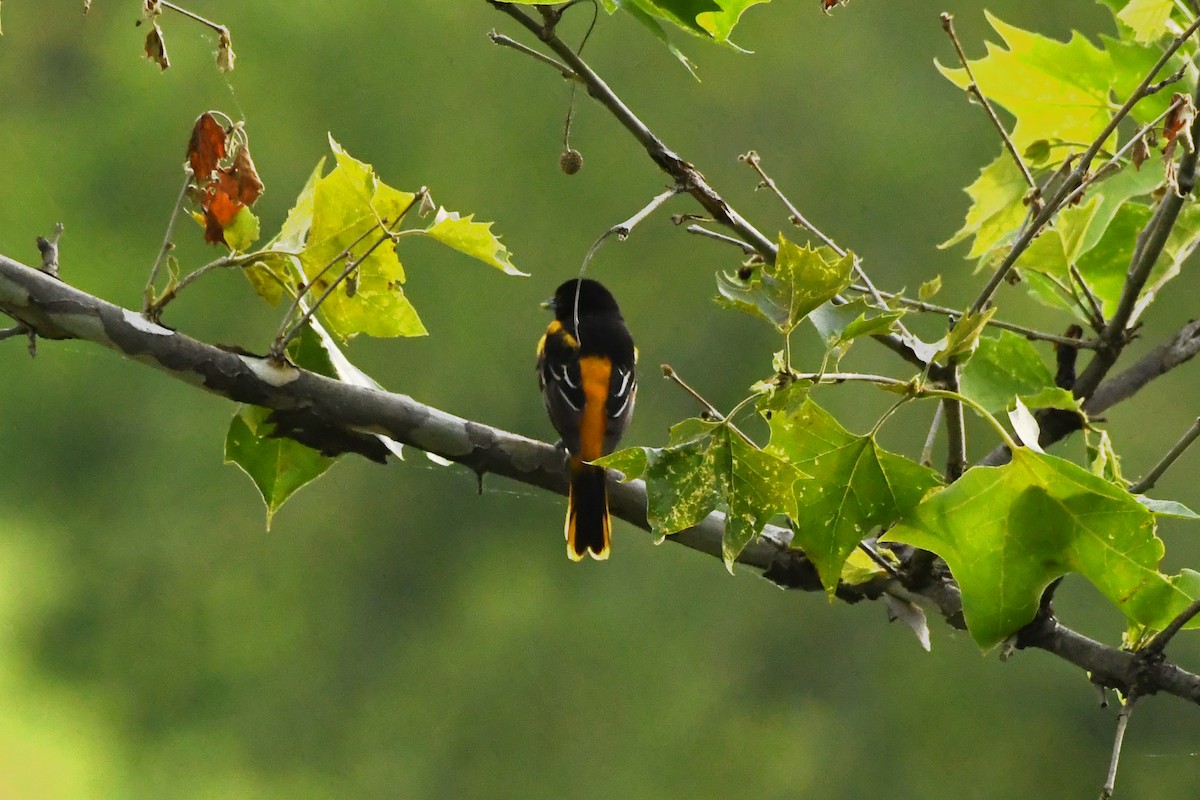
{"points": [[397, 635]]}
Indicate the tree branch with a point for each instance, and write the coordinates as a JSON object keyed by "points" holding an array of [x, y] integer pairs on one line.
{"points": [[681, 171], [1179, 349], [58, 311]]}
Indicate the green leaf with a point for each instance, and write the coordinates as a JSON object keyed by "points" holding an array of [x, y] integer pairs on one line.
{"points": [[346, 205], [658, 32], [856, 485], [721, 23], [472, 238], [1131, 63], [1007, 532], [930, 288], [1147, 18], [707, 465], [997, 207], [1056, 90], [1167, 508], [270, 275], [839, 325], [278, 467], [784, 293], [1003, 367], [964, 336], [242, 230], [1054, 397]]}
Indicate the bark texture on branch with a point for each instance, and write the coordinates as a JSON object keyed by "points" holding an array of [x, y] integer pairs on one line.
{"points": [[55, 310]]}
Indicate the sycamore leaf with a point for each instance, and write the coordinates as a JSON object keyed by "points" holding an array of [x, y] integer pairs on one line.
{"points": [[1007, 532], [856, 485], [964, 336], [1167, 508], [278, 466], [472, 238], [347, 204], [270, 275], [242, 231], [839, 325], [1131, 63], [706, 465], [1147, 18], [1003, 367], [658, 32], [784, 293], [997, 207], [1055, 90]]}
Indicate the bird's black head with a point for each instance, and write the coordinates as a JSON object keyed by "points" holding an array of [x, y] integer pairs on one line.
{"points": [[593, 298]]}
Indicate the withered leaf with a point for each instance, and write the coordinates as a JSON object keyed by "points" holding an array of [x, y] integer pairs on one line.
{"points": [[206, 147], [156, 48]]}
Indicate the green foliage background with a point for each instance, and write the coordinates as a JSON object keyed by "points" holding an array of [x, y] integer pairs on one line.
{"points": [[396, 635]]}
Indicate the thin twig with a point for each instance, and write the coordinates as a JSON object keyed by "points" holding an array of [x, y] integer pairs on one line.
{"points": [[194, 16], [1077, 176], [973, 88], [506, 41], [1158, 644], [879, 560], [16, 330], [721, 237], [1110, 781], [752, 158], [168, 243], [622, 229], [670, 373], [955, 315], [1151, 478], [1097, 313]]}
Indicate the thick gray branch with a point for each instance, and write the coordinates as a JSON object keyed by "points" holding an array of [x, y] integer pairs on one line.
{"points": [[57, 311]]}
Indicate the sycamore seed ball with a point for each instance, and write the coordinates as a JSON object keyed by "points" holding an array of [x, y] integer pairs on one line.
{"points": [[570, 161]]}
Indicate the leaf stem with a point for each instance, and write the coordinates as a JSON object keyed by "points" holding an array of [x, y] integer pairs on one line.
{"points": [[978, 409]]}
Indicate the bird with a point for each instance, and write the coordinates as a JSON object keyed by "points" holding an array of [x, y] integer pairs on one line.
{"points": [[586, 365]]}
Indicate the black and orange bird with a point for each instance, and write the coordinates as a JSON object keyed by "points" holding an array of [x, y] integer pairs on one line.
{"points": [[585, 364]]}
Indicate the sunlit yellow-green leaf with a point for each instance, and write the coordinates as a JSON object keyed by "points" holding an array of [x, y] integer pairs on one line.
{"points": [[1147, 18], [473, 238], [349, 206], [1056, 90], [997, 207]]}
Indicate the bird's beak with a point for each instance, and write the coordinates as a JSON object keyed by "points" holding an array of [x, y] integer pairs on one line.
{"points": [[548, 305]]}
